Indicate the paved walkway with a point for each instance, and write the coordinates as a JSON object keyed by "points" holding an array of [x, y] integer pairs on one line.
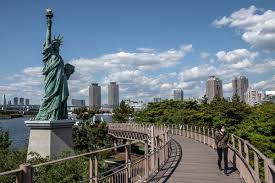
{"points": [[197, 164]]}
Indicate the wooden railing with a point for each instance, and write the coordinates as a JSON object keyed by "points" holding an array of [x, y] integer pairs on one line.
{"points": [[132, 171], [254, 167]]}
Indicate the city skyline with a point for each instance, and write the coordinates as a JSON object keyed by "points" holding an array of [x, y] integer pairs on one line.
{"points": [[150, 62]]}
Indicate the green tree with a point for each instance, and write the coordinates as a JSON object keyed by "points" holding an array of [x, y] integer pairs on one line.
{"points": [[5, 142], [88, 137], [204, 99], [123, 113]]}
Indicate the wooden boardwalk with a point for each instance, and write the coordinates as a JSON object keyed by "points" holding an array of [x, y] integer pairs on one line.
{"points": [[197, 164]]}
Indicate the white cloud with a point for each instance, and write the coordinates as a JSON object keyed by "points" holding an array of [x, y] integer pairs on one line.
{"points": [[146, 49], [204, 55], [262, 67], [257, 26], [236, 55], [197, 72], [227, 87], [242, 64], [138, 60]]}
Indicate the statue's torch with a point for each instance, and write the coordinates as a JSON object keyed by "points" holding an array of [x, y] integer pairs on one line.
{"points": [[49, 13]]}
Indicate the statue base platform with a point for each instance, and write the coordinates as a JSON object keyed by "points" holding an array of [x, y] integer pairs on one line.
{"points": [[50, 138]]}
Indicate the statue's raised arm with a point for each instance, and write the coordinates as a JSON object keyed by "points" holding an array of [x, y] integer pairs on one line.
{"points": [[49, 15]]}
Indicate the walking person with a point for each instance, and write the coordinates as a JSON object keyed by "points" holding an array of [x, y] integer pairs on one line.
{"points": [[221, 140]]}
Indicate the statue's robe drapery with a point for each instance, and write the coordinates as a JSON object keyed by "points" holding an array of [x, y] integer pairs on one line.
{"points": [[54, 104]]}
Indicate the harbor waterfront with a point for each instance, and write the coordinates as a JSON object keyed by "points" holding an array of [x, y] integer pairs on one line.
{"points": [[18, 131]]}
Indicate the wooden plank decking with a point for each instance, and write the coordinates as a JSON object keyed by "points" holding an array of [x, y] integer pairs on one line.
{"points": [[198, 164]]}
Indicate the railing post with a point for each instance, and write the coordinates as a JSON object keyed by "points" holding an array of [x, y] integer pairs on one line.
{"points": [[256, 164], [240, 147], [26, 173], [200, 134], [187, 131], [204, 138], [146, 160], [233, 141], [196, 134], [208, 135], [191, 129], [213, 137], [158, 148], [267, 172], [246, 150], [128, 162], [91, 169], [96, 170], [164, 144]]}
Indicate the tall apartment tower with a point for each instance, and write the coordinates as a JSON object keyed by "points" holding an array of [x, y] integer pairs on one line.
{"points": [[21, 101], [15, 101], [5, 100], [27, 101], [95, 95], [113, 95], [178, 95], [213, 88], [240, 86]]}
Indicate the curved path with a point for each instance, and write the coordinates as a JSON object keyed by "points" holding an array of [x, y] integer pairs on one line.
{"points": [[170, 165], [198, 165]]}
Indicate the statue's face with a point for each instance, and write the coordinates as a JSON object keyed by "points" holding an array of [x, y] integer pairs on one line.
{"points": [[56, 47]]}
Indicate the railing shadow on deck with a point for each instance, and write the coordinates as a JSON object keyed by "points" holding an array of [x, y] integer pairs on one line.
{"points": [[254, 167], [168, 167]]}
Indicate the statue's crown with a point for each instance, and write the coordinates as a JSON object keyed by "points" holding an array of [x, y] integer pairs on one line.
{"points": [[57, 39]]}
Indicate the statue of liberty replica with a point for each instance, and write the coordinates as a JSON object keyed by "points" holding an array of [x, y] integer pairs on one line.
{"points": [[51, 131], [54, 104]]}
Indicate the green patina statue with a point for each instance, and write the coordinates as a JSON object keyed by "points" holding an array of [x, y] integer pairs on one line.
{"points": [[54, 104]]}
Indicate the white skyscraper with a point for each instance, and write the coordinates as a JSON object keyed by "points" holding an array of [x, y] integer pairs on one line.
{"points": [[113, 95], [240, 86], [213, 88], [95, 95], [178, 95], [252, 97]]}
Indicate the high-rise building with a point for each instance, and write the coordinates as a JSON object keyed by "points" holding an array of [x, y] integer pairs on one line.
{"points": [[157, 99], [15, 101], [113, 95], [178, 95], [95, 95], [76, 102], [213, 88], [252, 97], [21, 101], [27, 101], [5, 101], [9, 102], [240, 86], [269, 96]]}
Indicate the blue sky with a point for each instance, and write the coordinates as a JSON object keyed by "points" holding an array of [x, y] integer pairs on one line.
{"points": [[148, 47]]}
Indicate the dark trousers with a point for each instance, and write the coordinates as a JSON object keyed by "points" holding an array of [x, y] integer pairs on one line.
{"points": [[225, 152]]}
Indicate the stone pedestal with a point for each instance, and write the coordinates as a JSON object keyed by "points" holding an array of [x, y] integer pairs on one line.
{"points": [[50, 138]]}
